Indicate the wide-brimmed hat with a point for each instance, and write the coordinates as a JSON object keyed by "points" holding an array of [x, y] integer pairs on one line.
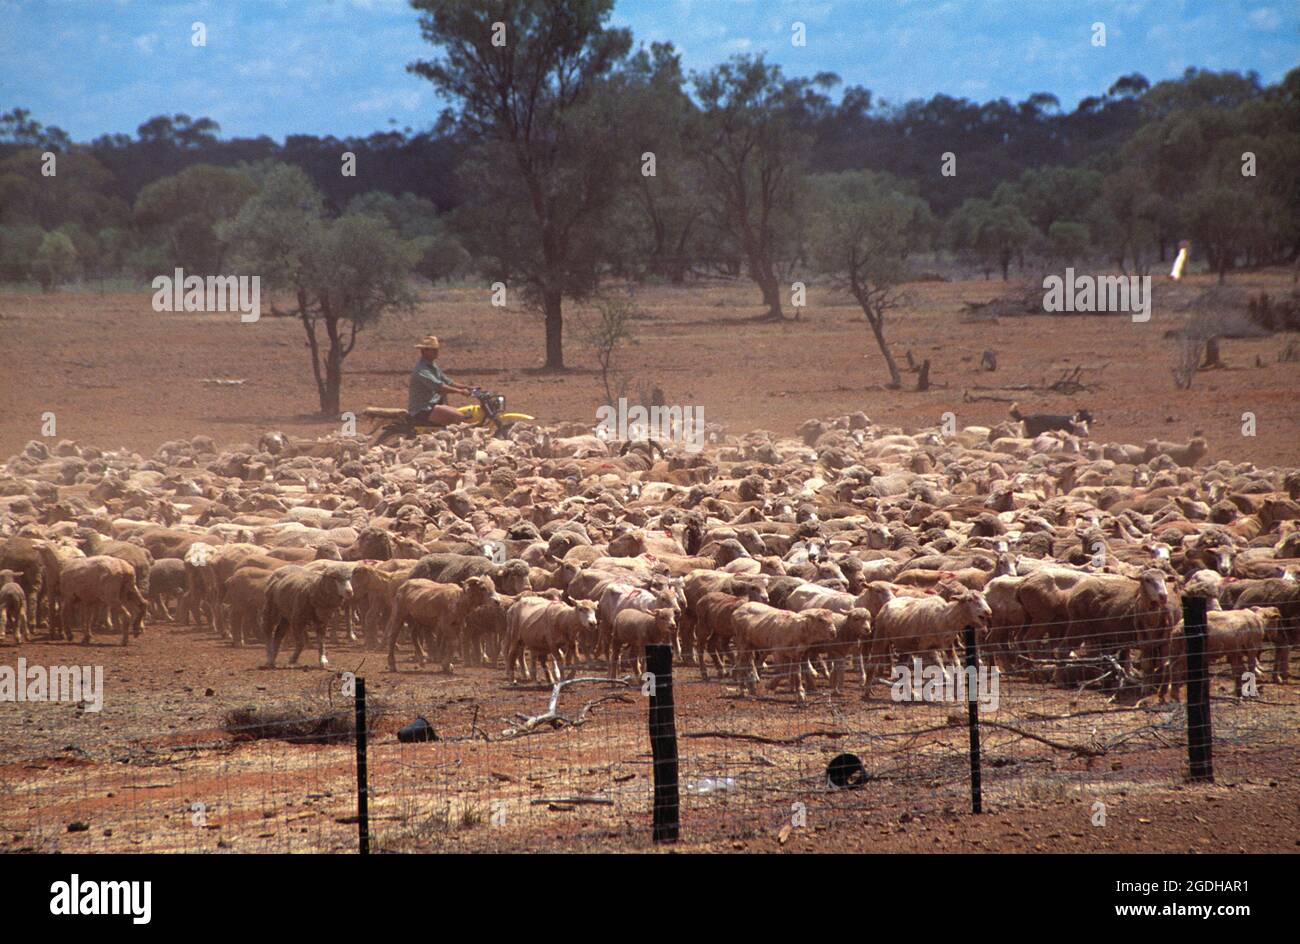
{"points": [[429, 343]]}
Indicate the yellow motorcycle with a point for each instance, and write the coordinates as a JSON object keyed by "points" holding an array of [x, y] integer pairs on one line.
{"points": [[488, 409]]}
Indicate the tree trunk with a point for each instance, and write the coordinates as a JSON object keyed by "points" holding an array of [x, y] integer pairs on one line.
{"points": [[552, 305], [1005, 262], [771, 297], [877, 328], [333, 382]]}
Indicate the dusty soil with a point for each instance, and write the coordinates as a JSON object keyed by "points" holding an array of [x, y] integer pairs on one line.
{"points": [[154, 770], [116, 373]]}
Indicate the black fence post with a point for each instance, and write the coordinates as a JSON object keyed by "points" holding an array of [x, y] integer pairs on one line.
{"points": [[363, 783], [973, 720], [1199, 732], [663, 742]]}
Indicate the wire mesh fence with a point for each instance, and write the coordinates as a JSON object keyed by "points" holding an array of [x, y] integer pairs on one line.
{"points": [[577, 770]]}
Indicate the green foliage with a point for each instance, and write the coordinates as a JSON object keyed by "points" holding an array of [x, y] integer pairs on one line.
{"points": [[18, 247], [753, 143], [1067, 241], [55, 262], [991, 231], [546, 168], [340, 274], [183, 213], [864, 227]]}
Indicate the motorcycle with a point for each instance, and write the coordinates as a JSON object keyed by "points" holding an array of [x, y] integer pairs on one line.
{"points": [[487, 410]]}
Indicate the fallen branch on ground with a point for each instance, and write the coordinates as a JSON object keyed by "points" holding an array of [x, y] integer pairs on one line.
{"points": [[529, 724]]}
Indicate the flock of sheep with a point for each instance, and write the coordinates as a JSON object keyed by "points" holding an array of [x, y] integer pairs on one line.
{"points": [[840, 552]]}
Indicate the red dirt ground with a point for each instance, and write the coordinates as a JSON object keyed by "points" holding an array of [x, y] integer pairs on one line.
{"points": [[117, 374]]}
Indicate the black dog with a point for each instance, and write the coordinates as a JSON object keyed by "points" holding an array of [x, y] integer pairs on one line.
{"points": [[1038, 423]]}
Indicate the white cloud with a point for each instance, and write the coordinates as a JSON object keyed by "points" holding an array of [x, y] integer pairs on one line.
{"points": [[1265, 18]]}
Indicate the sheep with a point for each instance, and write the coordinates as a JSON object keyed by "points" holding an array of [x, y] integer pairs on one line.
{"points": [[763, 631], [558, 579], [22, 556], [511, 577], [13, 607], [635, 629], [437, 612], [545, 628], [622, 596], [1187, 454], [296, 598], [912, 626], [1236, 635], [1110, 615], [167, 581], [245, 594], [1284, 594], [715, 627], [373, 587], [700, 582], [106, 587]]}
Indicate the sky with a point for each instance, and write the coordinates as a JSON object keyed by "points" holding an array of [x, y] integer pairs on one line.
{"points": [[338, 67]]}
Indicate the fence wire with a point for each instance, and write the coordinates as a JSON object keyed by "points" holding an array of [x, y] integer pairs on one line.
{"points": [[575, 771]]}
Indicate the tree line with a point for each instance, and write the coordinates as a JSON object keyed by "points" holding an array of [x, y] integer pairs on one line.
{"points": [[569, 156]]}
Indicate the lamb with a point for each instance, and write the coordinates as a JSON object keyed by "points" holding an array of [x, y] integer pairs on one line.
{"points": [[23, 557], [623, 596], [106, 587], [545, 628], [436, 611], [762, 631], [13, 607], [296, 598], [635, 629]]}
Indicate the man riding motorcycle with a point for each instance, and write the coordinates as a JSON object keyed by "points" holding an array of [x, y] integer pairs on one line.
{"points": [[426, 400]]}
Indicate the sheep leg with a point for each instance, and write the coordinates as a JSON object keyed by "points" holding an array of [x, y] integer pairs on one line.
{"points": [[687, 646], [445, 641], [299, 640], [274, 635]]}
